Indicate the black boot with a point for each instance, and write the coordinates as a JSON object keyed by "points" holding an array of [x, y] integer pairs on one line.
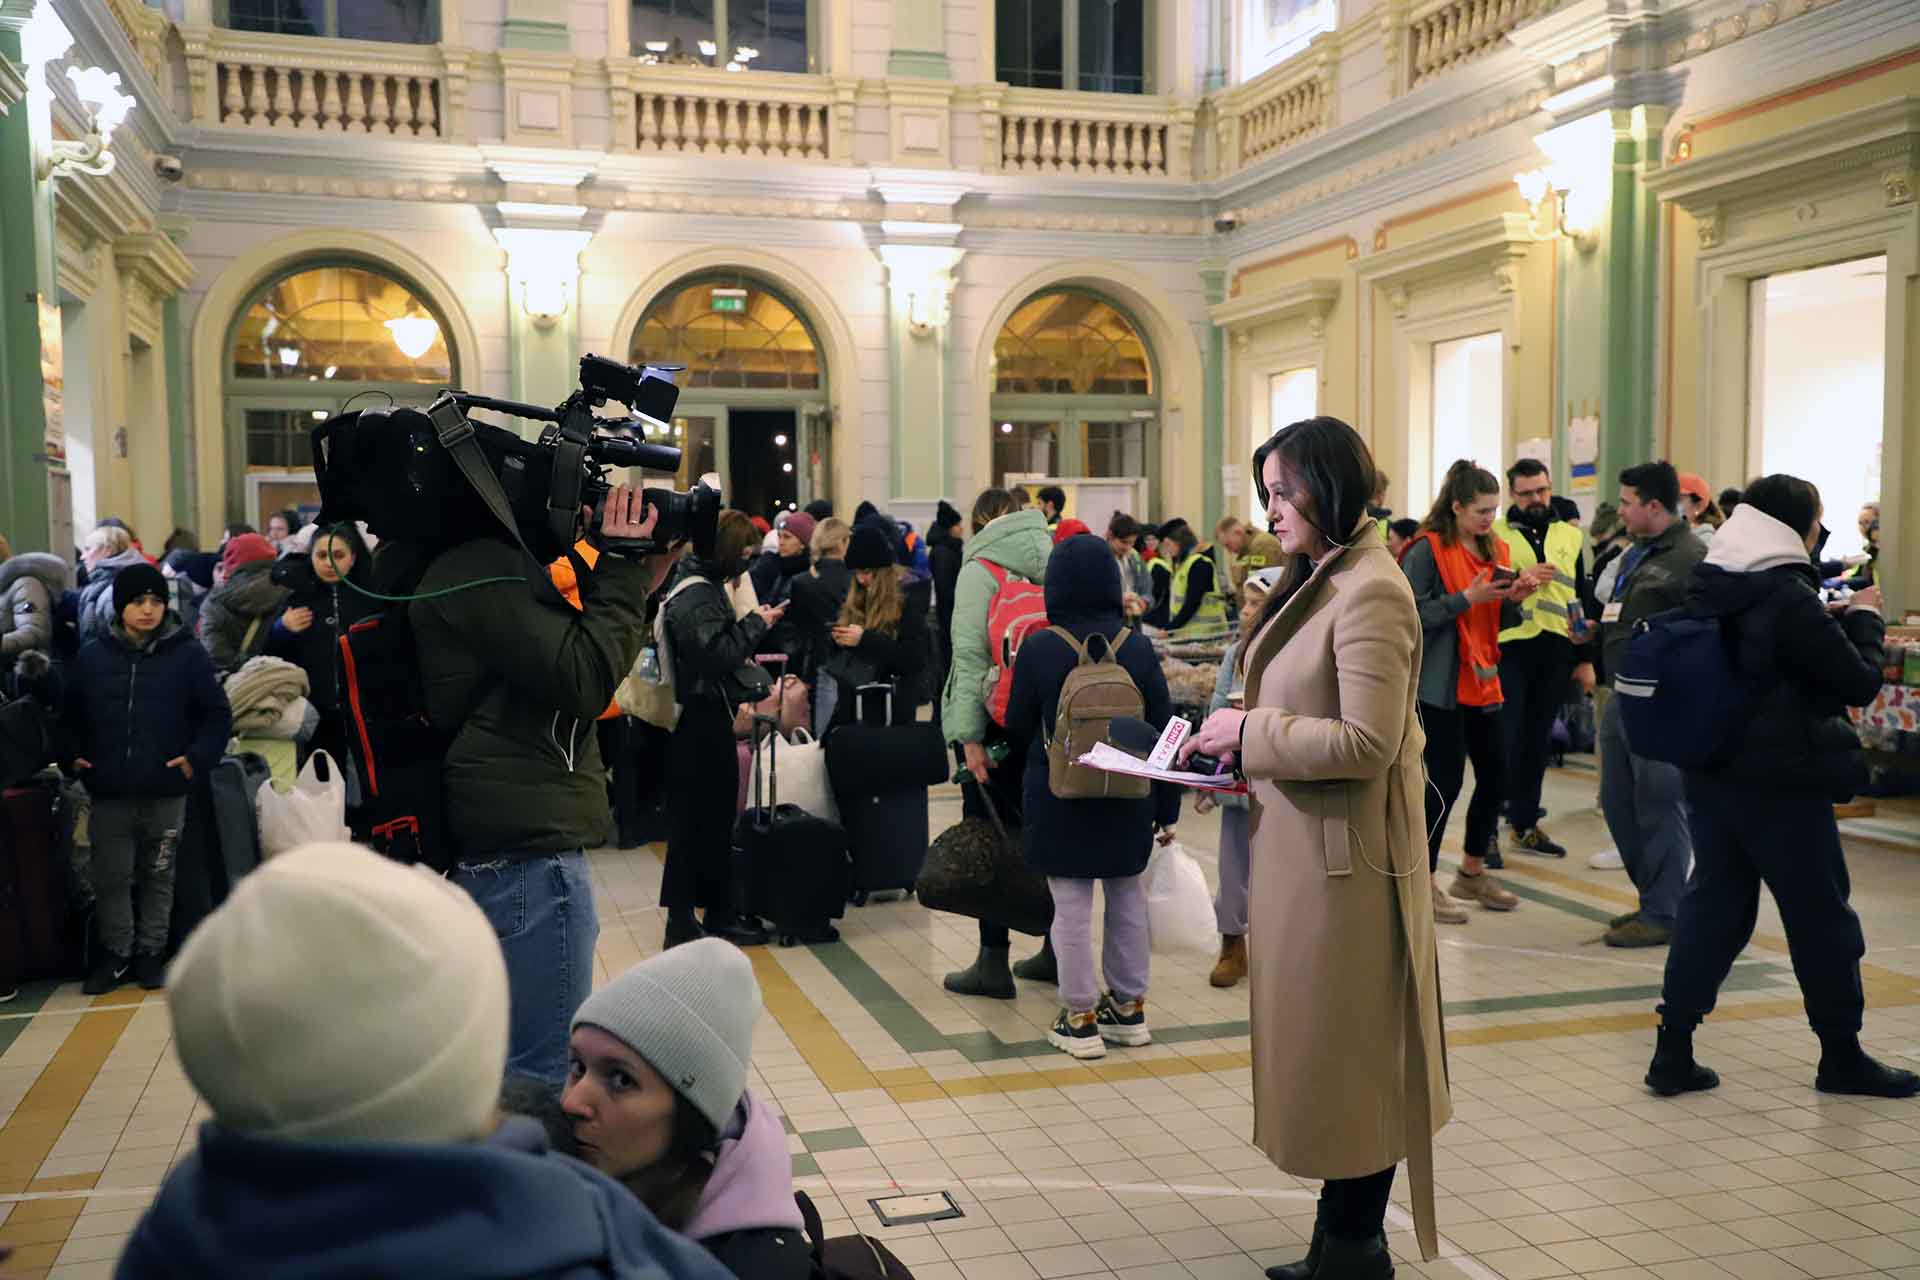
{"points": [[1305, 1268], [986, 976], [1343, 1259], [1846, 1068], [741, 931], [1673, 1070], [1041, 966], [682, 927]]}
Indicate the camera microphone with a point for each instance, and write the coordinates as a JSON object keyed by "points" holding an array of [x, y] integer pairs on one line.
{"points": [[1138, 738]]}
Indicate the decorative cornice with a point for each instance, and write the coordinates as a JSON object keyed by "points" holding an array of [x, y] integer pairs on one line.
{"points": [[13, 84], [156, 261], [1496, 244], [1734, 27], [1883, 138], [1311, 299]]}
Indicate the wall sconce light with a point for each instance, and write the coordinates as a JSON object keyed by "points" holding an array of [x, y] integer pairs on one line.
{"points": [[1569, 195], [921, 279], [542, 266], [107, 108]]}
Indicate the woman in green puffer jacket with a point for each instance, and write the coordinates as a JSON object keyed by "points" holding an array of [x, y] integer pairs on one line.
{"points": [[1019, 542]]}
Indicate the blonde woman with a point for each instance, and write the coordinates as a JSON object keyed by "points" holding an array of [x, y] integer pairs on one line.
{"points": [[881, 635]]}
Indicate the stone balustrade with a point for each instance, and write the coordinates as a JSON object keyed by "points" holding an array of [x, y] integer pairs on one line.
{"points": [[1283, 106], [146, 29], [752, 115], [1443, 35], [252, 81], [1088, 134]]}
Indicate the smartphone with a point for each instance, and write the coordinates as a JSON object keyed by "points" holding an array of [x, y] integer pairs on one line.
{"points": [[1504, 576]]}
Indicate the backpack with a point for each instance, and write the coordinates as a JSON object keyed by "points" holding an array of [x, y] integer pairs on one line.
{"points": [[648, 693], [1017, 610], [859, 1257], [1681, 699], [1095, 693]]}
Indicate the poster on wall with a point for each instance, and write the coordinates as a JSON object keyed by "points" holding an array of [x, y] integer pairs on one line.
{"points": [[1539, 448], [1583, 454], [52, 364]]}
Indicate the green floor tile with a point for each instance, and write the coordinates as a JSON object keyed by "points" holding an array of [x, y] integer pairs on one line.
{"points": [[805, 1166], [13, 1014], [891, 1010], [833, 1140]]}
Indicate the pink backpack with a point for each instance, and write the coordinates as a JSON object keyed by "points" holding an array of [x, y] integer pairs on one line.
{"points": [[1017, 610]]}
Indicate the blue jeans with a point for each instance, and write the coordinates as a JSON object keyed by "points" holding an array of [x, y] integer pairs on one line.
{"points": [[541, 909]]}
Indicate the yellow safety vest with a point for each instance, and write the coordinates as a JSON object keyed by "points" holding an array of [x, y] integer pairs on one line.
{"points": [[1211, 617], [1545, 611]]}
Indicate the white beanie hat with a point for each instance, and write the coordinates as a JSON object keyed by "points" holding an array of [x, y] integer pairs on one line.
{"points": [[340, 996], [689, 1012]]}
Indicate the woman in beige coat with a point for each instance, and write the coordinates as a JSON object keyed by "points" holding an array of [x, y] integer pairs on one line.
{"points": [[1349, 1060]]}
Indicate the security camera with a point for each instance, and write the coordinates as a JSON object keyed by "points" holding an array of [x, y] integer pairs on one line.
{"points": [[1226, 222], [168, 168]]}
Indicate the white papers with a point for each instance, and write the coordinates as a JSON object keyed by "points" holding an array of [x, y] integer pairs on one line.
{"points": [[1110, 759]]}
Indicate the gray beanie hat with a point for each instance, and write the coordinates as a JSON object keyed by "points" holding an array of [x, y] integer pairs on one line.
{"points": [[690, 1013]]}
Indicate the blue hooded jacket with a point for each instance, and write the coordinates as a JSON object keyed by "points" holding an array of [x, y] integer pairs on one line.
{"points": [[245, 1206]]}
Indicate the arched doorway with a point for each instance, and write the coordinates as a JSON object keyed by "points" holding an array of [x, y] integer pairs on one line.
{"points": [[314, 338], [1076, 397], [754, 397]]}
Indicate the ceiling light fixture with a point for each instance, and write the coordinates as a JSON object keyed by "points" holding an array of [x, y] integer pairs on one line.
{"points": [[413, 334], [289, 357]]}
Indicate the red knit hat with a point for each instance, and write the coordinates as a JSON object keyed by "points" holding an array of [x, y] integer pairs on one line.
{"points": [[1068, 528], [245, 550]]}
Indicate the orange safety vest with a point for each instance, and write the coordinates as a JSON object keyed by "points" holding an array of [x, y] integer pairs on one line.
{"points": [[568, 581]]}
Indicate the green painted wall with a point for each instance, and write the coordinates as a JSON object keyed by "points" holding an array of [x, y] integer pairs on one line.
{"points": [[26, 275], [180, 451]]}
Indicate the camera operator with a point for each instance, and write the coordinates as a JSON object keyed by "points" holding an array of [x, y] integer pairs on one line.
{"points": [[525, 679]]}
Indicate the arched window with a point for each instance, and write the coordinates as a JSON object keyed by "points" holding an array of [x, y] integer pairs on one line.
{"points": [[753, 398], [308, 342], [1075, 393]]}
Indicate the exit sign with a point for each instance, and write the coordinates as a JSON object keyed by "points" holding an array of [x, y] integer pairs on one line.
{"points": [[730, 301]]}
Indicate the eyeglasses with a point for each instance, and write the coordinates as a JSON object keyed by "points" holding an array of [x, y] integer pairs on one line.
{"points": [[1521, 495]]}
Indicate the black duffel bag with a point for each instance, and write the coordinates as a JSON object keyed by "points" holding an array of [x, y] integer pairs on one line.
{"points": [[876, 755], [977, 868]]}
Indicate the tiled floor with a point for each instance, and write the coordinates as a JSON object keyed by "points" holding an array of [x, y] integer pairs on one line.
{"points": [[1558, 1162]]}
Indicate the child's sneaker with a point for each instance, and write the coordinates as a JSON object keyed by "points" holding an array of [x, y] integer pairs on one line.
{"points": [[150, 970], [1123, 1022], [108, 972], [1077, 1034]]}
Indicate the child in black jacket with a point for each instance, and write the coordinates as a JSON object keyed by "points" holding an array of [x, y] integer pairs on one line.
{"points": [[144, 716]]}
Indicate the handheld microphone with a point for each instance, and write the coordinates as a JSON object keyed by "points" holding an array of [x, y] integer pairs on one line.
{"points": [[1138, 738]]}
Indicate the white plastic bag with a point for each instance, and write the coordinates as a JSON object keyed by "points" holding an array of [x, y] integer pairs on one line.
{"points": [[1179, 907], [802, 774], [312, 811]]}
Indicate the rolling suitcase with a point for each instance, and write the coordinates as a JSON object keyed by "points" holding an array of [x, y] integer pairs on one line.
{"points": [[45, 936], [220, 842], [789, 867], [881, 781]]}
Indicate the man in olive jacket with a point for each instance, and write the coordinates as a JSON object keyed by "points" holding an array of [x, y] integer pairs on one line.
{"points": [[1645, 800], [525, 679]]}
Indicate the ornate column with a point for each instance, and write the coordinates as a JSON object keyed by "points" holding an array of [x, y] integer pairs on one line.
{"points": [[1213, 278], [920, 258]]}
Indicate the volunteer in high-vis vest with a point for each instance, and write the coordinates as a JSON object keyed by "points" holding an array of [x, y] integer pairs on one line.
{"points": [[1194, 605], [1540, 655]]}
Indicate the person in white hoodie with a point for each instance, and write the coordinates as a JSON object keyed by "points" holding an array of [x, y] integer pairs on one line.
{"points": [[1766, 814], [657, 1093]]}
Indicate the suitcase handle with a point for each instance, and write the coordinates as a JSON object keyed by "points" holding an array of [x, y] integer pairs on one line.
{"points": [[764, 811], [859, 704]]}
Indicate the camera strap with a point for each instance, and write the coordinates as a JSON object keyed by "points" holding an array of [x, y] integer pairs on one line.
{"points": [[457, 438]]}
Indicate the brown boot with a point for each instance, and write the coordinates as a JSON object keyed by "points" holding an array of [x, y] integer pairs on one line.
{"points": [[1232, 965]]}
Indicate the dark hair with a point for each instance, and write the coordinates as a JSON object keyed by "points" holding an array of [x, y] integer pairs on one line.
{"points": [[182, 540], [1655, 482], [1406, 528], [1465, 481], [672, 1186], [820, 509], [1329, 467], [1056, 495], [239, 531], [1123, 526], [1730, 498], [734, 541], [1020, 496], [1181, 534], [1526, 467], [1789, 499], [991, 505]]}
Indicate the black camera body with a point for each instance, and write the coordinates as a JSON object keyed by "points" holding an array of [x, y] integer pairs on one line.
{"points": [[392, 466]]}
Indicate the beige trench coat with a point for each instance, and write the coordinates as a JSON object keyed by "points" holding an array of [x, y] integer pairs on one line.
{"points": [[1349, 1056]]}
